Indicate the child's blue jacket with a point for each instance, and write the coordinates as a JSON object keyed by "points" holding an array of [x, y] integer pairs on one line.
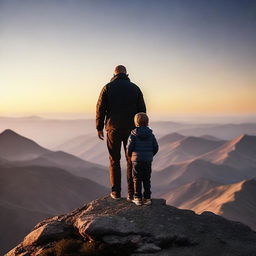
{"points": [[142, 144]]}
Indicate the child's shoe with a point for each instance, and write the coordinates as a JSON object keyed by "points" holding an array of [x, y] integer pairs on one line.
{"points": [[137, 201], [115, 196], [129, 198], [147, 201]]}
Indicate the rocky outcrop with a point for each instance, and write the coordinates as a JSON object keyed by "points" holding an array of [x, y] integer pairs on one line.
{"points": [[117, 227]]}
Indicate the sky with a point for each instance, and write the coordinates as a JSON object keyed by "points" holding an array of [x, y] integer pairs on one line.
{"points": [[188, 57]]}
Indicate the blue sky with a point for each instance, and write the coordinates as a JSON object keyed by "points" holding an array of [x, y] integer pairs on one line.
{"points": [[189, 57]]}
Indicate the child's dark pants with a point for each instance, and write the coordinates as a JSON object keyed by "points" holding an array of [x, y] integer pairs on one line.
{"points": [[141, 172]]}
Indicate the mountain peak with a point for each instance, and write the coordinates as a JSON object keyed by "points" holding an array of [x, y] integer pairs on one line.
{"points": [[238, 153], [250, 182], [244, 137], [118, 227], [9, 132], [15, 147], [245, 144], [171, 137]]}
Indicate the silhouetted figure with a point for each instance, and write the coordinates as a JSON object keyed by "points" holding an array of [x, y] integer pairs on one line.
{"points": [[118, 102], [141, 147]]}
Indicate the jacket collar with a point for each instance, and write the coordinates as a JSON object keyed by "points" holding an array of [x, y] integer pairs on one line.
{"points": [[121, 76]]}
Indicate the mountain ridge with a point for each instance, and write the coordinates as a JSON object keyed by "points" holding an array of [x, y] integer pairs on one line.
{"points": [[22, 151], [236, 201], [14, 146], [38, 192], [177, 148], [237, 153]]}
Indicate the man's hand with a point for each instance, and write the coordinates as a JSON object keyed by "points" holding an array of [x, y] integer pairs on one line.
{"points": [[101, 135]]}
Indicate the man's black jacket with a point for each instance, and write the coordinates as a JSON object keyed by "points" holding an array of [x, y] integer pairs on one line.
{"points": [[118, 102]]}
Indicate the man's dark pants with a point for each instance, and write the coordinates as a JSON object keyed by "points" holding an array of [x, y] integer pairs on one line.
{"points": [[141, 172], [114, 143]]}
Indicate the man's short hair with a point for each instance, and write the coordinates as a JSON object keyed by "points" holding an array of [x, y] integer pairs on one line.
{"points": [[120, 69], [141, 119]]}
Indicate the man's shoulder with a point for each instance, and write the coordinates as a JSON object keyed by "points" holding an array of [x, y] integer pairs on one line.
{"points": [[109, 85], [106, 86], [135, 85]]}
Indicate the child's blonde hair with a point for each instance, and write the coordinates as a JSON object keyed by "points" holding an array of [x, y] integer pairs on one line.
{"points": [[141, 119]]}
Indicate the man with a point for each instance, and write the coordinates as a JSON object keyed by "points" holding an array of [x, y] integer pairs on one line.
{"points": [[118, 102]]}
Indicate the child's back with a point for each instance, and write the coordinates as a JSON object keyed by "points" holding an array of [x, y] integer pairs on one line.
{"points": [[141, 147]]}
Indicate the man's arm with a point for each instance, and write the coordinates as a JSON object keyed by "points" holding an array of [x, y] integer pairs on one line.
{"points": [[101, 108], [141, 106]]}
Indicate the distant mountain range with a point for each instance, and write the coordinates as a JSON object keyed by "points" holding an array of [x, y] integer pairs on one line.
{"points": [[87, 147], [36, 183], [25, 152], [220, 180], [223, 131], [174, 148], [229, 162], [234, 201], [202, 162], [238, 153], [177, 148], [15, 147], [51, 133], [48, 132], [199, 173]]}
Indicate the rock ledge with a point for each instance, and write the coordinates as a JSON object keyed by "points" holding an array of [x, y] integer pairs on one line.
{"points": [[118, 227]]}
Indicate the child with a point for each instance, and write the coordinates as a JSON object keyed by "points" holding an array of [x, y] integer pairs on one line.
{"points": [[141, 147]]}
